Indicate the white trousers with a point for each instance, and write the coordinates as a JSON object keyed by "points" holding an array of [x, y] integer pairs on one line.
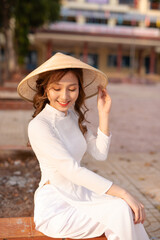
{"points": [[56, 218]]}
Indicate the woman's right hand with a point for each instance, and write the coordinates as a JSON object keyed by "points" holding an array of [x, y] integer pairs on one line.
{"points": [[103, 101]]}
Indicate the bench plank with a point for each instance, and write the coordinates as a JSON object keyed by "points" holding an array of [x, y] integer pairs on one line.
{"points": [[23, 228], [18, 228], [31, 238]]}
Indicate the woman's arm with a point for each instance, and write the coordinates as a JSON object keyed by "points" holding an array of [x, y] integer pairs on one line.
{"points": [[104, 106], [98, 146], [136, 206]]}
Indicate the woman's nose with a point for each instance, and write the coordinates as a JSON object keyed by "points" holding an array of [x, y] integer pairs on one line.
{"points": [[64, 95]]}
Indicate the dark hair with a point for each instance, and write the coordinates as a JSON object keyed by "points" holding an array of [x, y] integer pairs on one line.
{"points": [[40, 99]]}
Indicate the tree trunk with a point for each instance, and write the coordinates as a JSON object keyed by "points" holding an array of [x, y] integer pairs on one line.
{"points": [[1, 68], [9, 54], [6, 56], [11, 51]]}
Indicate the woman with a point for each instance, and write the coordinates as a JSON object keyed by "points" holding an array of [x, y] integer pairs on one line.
{"points": [[72, 201]]}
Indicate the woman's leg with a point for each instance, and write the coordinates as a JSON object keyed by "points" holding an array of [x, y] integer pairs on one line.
{"points": [[121, 225]]}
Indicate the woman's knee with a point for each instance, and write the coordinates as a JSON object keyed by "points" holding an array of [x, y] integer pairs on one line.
{"points": [[124, 207]]}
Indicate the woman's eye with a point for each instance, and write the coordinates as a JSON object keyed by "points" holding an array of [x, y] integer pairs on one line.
{"points": [[72, 90], [56, 89]]}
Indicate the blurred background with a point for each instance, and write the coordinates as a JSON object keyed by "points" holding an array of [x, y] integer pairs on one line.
{"points": [[119, 37]]}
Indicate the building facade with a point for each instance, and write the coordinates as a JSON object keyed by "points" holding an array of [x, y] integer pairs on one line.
{"points": [[120, 37]]}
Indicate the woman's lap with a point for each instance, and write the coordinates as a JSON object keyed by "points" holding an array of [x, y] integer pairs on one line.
{"points": [[57, 218]]}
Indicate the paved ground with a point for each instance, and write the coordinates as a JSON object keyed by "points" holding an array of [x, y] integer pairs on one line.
{"points": [[134, 159]]}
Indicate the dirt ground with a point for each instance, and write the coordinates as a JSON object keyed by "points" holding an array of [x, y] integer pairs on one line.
{"points": [[19, 177], [135, 127]]}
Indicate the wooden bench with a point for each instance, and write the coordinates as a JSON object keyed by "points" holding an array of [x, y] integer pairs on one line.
{"points": [[23, 228]]}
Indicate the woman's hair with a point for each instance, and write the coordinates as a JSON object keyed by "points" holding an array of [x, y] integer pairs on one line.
{"points": [[40, 99]]}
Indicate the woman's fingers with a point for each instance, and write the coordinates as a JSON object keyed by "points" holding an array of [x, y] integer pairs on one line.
{"points": [[143, 215], [136, 215], [103, 101], [139, 214], [137, 208], [101, 92]]}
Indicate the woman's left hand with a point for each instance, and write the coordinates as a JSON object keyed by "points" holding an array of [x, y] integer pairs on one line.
{"points": [[137, 208], [103, 101]]}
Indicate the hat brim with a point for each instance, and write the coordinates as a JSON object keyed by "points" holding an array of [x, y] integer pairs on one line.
{"points": [[92, 77]]}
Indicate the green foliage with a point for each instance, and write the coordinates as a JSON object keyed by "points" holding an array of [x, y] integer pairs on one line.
{"points": [[29, 15], [6, 12], [52, 10]]}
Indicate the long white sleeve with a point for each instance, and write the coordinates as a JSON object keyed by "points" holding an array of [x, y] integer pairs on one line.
{"points": [[98, 146]]}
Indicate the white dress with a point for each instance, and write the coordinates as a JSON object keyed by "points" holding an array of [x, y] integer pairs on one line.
{"points": [[74, 204]]}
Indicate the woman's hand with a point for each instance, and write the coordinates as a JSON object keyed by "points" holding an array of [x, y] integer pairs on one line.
{"points": [[103, 101], [137, 208], [104, 106]]}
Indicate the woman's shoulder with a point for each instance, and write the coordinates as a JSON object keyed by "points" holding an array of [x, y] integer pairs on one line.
{"points": [[73, 113], [39, 122]]}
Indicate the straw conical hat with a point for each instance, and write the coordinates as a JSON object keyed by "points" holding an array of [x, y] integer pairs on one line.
{"points": [[92, 77]]}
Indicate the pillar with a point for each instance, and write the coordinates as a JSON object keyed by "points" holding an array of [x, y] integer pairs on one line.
{"points": [[112, 22], [80, 19], [49, 49], [135, 3], [119, 57], [143, 8], [140, 61], [113, 2], [152, 60], [85, 52]]}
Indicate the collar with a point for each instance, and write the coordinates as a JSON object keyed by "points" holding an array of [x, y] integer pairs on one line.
{"points": [[54, 111]]}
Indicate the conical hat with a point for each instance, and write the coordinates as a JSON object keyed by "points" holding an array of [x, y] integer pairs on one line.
{"points": [[92, 77]]}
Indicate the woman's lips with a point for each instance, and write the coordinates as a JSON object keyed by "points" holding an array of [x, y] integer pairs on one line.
{"points": [[63, 104]]}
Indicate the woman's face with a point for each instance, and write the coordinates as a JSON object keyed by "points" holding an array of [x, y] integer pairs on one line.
{"points": [[63, 94]]}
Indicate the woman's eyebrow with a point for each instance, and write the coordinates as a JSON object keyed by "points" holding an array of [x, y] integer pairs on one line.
{"points": [[72, 84]]}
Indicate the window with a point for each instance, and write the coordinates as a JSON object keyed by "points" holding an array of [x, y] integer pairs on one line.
{"points": [[31, 60], [155, 4], [126, 61], [96, 20], [68, 19], [127, 23], [153, 25], [98, 1], [131, 2], [91, 60], [112, 60], [64, 52]]}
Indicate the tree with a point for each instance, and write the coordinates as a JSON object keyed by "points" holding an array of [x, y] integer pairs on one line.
{"points": [[5, 17], [18, 18]]}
